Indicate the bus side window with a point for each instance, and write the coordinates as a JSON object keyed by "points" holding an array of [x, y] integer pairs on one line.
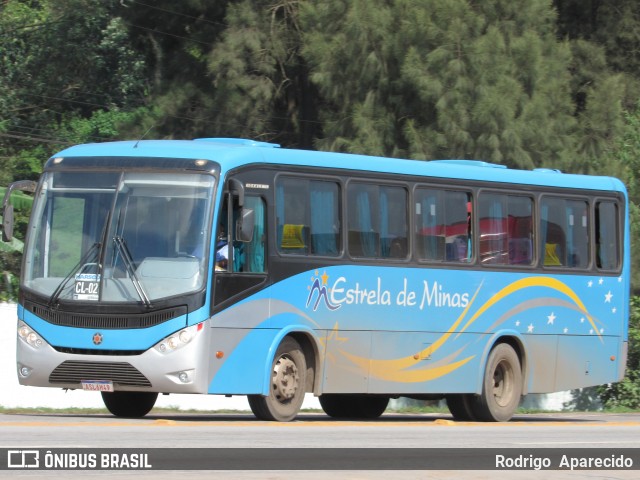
{"points": [[565, 232], [577, 233], [552, 232], [607, 250], [393, 222], [443, 225], [506, 229], [520, 225], [363, 227], [377, 221], [307, 217]]}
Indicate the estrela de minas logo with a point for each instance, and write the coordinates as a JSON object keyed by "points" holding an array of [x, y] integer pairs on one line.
{"points": [[319, 286]]}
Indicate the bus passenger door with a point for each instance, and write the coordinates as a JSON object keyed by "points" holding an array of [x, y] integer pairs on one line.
{"points": [[240, 256]]}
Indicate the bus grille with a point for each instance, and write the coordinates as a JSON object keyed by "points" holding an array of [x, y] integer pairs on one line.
{"points": [[122, 373], [93, 351], [104, 321]]}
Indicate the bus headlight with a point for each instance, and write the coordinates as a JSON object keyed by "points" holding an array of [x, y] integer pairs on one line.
{"points": [[27, 335], [179, 339]]}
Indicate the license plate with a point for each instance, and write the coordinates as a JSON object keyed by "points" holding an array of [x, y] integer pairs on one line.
{"points": [[97, 385], [86, 286]]}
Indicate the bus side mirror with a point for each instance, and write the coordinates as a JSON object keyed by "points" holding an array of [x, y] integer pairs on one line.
{"points": [[245, 225], [7, 208], [7, 223]]}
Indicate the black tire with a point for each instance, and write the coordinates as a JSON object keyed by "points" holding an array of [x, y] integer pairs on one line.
{"points": [[288, 381], [129, 404], [501, 387], [353, 406], [461, 407]]}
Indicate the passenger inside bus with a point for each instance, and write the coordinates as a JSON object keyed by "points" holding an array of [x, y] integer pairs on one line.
{"points": [[222, 250]]}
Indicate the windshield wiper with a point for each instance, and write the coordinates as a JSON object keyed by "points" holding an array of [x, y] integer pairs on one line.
{"points": [[128, 262], [93, 251]]}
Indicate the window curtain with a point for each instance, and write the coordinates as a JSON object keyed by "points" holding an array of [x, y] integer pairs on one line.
{"points": [[323, 222], [385, 237], [571, 219], [544, 227], [365, 224], [430, 232], [496, 231], [255, 249], [279, 213]]}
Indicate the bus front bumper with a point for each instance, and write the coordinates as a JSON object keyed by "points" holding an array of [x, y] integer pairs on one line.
{"points": [[176, 368]]}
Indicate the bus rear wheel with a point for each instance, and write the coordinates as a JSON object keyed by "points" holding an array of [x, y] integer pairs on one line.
{"points": [[501, 387], [353, 406], [129, 404], [288, 381]]}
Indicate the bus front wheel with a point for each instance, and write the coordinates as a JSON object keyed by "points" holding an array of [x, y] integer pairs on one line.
{"points": [[129, 404], [502, 386], [288, 380]]}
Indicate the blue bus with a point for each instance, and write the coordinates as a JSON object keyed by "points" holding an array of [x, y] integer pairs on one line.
{"points": [[236, 267]]}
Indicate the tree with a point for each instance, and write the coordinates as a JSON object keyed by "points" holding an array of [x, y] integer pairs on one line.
{"points": [[442, 78], [174, 39], [10, 253], [623, 161], [61, 60], [626, 393], [355, 53], [67, 73], [612, 24], [261, 86], [605, 46]]}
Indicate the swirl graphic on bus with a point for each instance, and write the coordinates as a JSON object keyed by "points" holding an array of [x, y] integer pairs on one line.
{"points": [[319, 284]]}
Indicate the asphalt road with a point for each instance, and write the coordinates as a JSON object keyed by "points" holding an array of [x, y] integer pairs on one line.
{"points": [[559, 432]]}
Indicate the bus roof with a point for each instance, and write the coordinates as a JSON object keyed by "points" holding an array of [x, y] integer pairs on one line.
{"points": [[231, 153]]}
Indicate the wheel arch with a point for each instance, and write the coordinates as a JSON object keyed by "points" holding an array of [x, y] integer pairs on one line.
{"points": [[515, 341], [309, 345]]}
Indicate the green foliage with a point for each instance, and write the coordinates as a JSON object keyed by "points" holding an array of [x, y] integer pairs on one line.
{"points": [[625, 155], [100, 126], [442, 79], [526, 83], [260, 78], [10, 253], [612, 24], [584, 400], [175, 39], [60, 59], [622, 159], [605, 47], [9, 263], [355, 56], [627, 392]]}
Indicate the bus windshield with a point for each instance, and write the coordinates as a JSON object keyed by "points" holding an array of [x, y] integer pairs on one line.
{"points": [[118, 237]]}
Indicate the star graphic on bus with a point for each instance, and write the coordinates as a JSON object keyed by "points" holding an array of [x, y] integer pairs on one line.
{"points": [[551, 318]]}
